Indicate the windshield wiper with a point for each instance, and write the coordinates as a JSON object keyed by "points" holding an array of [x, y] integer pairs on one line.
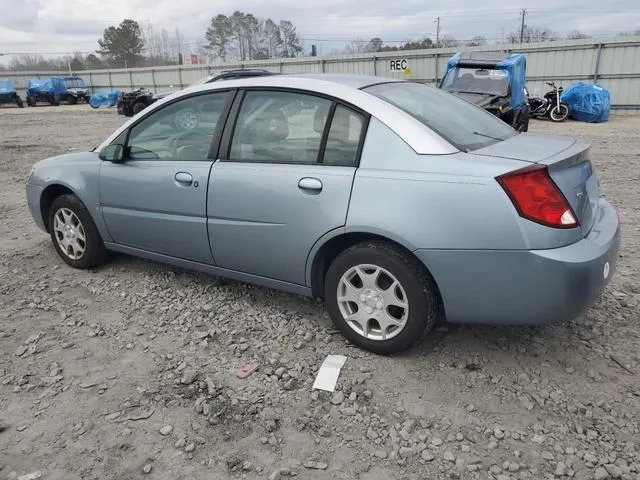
{"points": [[488, 136]]}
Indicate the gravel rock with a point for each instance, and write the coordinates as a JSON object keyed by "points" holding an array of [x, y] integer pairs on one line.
{"points": [[147, 468], [561, 469], [427, 456], [337, 398], [436, 441], [537, 438], [448, 456], [166, 430], [276, 475], [600, 474], [613, 470], [312, 465], [407, 452], [188, 377]]}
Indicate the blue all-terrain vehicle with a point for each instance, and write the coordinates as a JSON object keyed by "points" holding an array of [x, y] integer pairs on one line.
{"points": [[8, 94], [51, 91]]}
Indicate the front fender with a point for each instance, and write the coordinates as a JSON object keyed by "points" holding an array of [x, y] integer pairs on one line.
{"points": [[78, 173]]}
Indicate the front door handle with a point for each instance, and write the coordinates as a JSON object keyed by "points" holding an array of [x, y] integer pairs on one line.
{"points": [[310, 184], [183, 179]]}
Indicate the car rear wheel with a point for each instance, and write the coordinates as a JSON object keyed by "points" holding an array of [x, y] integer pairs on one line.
{"points": [[74, 233], [380, 298]]}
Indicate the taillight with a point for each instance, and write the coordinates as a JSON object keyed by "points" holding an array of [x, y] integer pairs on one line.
{"points": [[537, 198]]}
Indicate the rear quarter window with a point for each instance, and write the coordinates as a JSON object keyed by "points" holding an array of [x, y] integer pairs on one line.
{"points": [[466, 126]]}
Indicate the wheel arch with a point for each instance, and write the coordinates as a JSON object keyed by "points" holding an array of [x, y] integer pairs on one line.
{"points": [[47, 197], [332, 244]]}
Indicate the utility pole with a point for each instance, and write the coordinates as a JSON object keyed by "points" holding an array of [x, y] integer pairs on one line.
{"points": [[438, 32], [524, 12]]}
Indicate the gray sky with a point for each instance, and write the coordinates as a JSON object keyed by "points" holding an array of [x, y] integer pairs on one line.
{"points": [[47, 26]]}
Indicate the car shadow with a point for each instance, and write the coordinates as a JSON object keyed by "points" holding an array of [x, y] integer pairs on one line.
{"points": [[463, 339]]}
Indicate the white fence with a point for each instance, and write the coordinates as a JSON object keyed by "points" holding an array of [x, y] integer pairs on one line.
{"points": [[612, 62]]}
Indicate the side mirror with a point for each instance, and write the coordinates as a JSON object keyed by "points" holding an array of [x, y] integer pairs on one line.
{"points": [[113, 153]]}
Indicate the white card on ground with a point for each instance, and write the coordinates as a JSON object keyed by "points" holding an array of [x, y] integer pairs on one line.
{"points": [[329, 371]]}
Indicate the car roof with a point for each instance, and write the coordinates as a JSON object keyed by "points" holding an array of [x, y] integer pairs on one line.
{"points": [[349, 80]]}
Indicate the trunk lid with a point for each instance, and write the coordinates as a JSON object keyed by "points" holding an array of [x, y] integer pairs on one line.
{"points": [[569, 167]]}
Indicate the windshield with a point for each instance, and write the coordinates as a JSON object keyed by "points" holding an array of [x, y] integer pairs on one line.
{"points": [[462, 124], [74, 83], [476, 80]]}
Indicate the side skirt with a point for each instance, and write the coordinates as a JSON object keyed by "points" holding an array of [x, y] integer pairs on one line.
{"points": [[211, 270]]}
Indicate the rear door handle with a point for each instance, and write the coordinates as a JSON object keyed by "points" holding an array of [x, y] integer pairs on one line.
{"points": [[183, 179], [310, 183]]}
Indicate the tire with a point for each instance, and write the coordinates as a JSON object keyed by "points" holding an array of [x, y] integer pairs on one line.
{"points": [[31, 101], [20, 103], [138, 107], [72, 100], [417, 288], [70, 207], [559, 114], [55, 101]]}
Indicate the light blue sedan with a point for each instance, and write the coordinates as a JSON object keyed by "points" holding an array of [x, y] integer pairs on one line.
{"points": [[391, 200]]}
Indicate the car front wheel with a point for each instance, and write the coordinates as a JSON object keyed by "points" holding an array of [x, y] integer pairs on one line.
{"points": [[380, 298], [74, 233]]}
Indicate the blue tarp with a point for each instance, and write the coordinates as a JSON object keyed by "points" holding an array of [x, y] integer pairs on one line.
{"points": [[104, 99], [515, 67], [6, 86], [53, 86], [587, 102]]}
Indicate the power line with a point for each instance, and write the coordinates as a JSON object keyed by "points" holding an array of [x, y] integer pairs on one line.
{"points": [[524, 12]]}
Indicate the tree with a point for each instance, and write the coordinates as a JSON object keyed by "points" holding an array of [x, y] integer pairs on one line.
{"points": [[92, 61], [122, 46], [273, 38], [448, 41], [629, 33], [576, 35], [375, 44], [291, 44], [423, 44], [246, 37], [76, 64], [218, 36], [358, 45], [477, 41], [532, 35]]}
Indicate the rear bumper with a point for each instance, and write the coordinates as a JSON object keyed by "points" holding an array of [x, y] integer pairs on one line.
{"points": [[527, 287]]}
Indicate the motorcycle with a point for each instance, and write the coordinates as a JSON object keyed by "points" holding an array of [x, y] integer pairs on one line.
{"points": [[550, 105]]}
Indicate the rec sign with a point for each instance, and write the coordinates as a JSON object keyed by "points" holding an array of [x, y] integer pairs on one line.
{"points": [[398, 65]]}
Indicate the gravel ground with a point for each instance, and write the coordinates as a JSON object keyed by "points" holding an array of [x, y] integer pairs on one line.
{"points": [[129, 371]]}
